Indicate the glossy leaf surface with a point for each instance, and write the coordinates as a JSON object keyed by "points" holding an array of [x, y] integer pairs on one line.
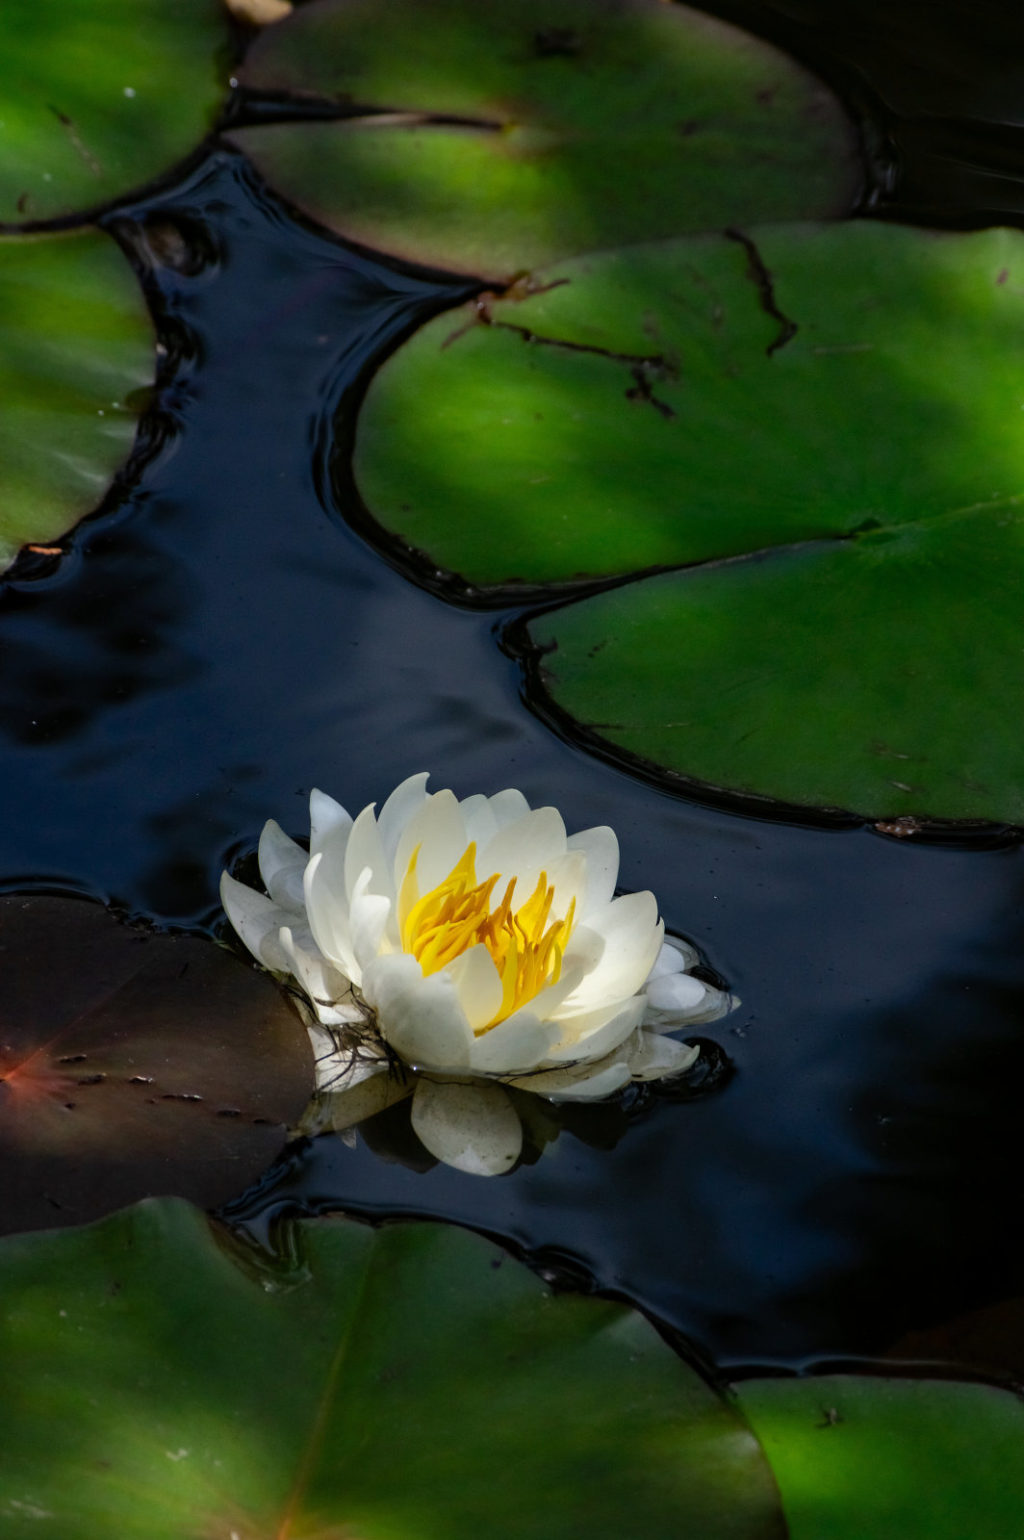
{"points": [[408, 1380], [892, 1459], [75, 342], [841, 408], [98, 98], [508, 135], [133, 1064]]}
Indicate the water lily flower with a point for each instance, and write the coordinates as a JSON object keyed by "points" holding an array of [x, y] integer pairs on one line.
{"points": [[455, 948]]}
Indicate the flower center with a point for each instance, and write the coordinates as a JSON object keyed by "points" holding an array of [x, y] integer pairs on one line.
{"points": [[526, 949]]}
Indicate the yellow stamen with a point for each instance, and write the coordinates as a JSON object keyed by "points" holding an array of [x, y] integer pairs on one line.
{"points": [[456, 915]]}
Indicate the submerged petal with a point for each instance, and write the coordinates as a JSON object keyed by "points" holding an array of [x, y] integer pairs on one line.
{"points": [[676, 956], [579, 1083], [473, 1127], [651, 1057]]}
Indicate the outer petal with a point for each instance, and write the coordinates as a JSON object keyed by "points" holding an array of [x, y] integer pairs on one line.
{"points": [[373, 1094], [326, 817], [282, 864], [651, 1057], [676, 956], [632, 935], [581, 1083], [342, 1065], [520, 1042], [257, 921], [601, 849], [665, 1012], [327, 908], [597, 1033], [472, 1127], [369, 914], [329, 991], [420, 1017]]}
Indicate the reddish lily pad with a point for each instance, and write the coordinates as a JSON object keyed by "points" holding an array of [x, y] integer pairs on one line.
{"points": [[487, 139], [132, 1064]]}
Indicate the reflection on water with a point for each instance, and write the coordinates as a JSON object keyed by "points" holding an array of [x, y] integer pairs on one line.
{"points": [[222, 642]]}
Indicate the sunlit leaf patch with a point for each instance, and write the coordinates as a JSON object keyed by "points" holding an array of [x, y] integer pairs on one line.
{"points": [[410, 1380], [489, 138]]}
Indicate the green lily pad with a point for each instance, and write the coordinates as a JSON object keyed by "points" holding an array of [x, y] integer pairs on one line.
{"points": [[133, 1064], [491, 138], [75, 342], [99, 98], [889, 1459], [824, 429], [411, 1380]]}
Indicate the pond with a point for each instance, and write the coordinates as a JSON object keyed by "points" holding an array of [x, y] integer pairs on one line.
{"points": [[836, 1190]]}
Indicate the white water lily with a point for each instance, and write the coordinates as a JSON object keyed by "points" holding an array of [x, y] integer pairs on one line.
{"points": [[459, 947]]}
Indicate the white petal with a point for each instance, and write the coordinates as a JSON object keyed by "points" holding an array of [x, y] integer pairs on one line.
{"points": [[676, 956], [438, 830], [568, 876], [582, 1084], [652, 1058], [601, 849], [257, 920], [508, 806], [327, 907], [713, 1004], [420, 1017], [477, 985], [368, 920], [325, 817], [632, 936], [520, 1042], [676, 992], [329, 991], [373, 1094], [472, 1127], [480, 823], [403, 803], [342, 1064], [363, 852], [600, 1031], [524, 849], [282, 864]]}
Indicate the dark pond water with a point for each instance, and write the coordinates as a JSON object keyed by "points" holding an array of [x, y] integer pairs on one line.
{"points": [[219, 640]]}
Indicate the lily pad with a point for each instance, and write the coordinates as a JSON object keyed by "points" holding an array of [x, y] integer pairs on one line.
{"points": [[97, 99], [892, 1459], [132, 1064], [407, 1380], [75, 342], [487, 139], [823, 429]]}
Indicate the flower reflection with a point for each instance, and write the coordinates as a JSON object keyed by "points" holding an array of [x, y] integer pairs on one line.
{"points": [[453, 949]]}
